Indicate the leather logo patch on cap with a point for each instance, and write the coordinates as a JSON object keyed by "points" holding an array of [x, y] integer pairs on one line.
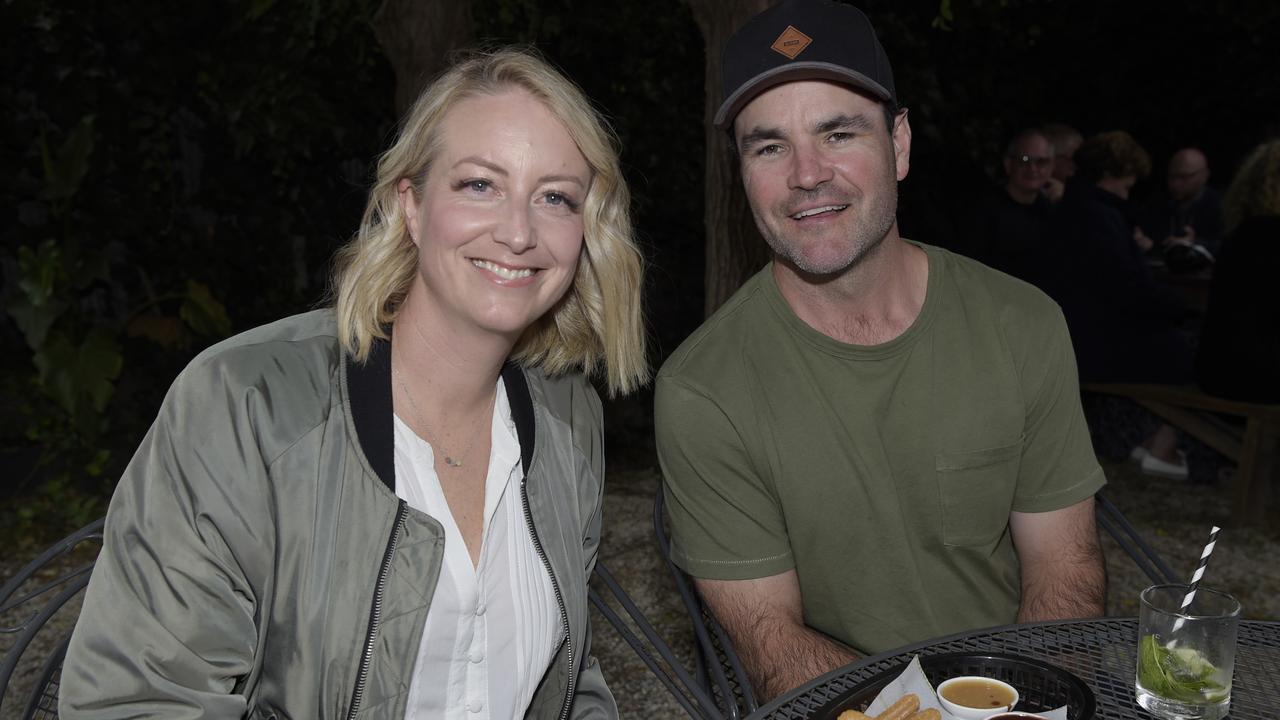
{"points": [[791, 42]]}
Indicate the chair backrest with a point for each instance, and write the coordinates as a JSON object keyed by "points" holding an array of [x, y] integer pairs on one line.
{"points": [[38, 608], [688, 692], [720, 670], [1127, 537]]}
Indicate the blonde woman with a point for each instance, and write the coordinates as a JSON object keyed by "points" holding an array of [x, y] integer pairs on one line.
{"points": [[1239, 353], [390, 508]]}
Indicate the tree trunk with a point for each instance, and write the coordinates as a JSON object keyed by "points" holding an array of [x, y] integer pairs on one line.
{"points": [[734, 247], [417, 37]]}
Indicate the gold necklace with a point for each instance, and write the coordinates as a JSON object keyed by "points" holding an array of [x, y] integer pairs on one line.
{"points": [[453, 462]]}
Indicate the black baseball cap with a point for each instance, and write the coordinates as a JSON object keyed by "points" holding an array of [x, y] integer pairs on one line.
{"points": [[803, 40]]}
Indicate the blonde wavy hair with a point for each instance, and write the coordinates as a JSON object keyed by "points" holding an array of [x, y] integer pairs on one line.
{"points": [[1255, 190], [598, 327]]}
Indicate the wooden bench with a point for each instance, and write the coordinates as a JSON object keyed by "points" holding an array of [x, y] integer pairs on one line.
{"points": [[1253, 447]]}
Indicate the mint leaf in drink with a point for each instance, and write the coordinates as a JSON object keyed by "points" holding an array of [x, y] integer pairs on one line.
{"points": [[1181, 674]]}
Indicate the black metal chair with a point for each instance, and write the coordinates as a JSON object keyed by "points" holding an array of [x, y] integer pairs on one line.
{"points": [[1126, 536], [720, 670], [691, 695], [28, 601]]}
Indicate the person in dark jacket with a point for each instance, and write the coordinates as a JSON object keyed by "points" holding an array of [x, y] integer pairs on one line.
{"points": [[1185, 223], [1239, 353], [1013, 230], [1122, 324]]}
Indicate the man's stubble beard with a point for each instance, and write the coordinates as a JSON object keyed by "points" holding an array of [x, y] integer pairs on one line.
{"points": [[869, 230]]}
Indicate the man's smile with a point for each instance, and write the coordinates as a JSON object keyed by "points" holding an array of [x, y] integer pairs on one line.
{"points": [[821, 209]]}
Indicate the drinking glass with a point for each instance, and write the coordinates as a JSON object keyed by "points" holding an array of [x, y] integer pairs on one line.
{"points": [[1186, 658]]}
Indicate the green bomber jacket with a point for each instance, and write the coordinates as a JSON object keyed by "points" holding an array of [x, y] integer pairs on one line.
{"points": [[258, 563]]}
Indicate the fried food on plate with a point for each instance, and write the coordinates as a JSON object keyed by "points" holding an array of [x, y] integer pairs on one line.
{"points": [[902, 709]]}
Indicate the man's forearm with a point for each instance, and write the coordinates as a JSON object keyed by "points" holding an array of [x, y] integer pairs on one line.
{"points": [[781, 656], [1073, 587]]}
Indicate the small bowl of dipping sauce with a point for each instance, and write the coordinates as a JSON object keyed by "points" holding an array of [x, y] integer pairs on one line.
{"points": [[976, 698]]}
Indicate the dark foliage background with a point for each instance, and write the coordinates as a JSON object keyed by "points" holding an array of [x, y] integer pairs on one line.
{"points": [[177, 172]]}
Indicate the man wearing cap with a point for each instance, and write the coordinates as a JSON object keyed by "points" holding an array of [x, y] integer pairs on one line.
{"points": [[874, 441]]}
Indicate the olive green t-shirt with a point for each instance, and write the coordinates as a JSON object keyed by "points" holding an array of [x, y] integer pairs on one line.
{"points": [[884, 475]]}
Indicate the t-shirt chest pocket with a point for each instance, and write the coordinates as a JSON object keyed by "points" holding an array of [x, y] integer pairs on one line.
{"points": [[976, 488]]}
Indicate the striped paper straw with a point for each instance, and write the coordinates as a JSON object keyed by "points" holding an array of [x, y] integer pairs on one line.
{"points": [[1195, 578]]}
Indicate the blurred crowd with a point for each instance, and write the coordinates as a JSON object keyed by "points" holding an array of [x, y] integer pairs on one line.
{"points": [[1177, 287]]}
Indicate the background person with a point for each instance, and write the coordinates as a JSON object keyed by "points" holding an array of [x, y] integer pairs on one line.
{"points": [[1123, 326], [1028, 167], [344, 510], [1014, 229], [1065, 140], [1190, 213], [1239, 352], [874, 441]]}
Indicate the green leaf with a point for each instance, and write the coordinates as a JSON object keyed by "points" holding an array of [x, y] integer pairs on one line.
{"points": [[71, 374], [55, 363], [63, 172], [35, 307], [34, 320], [99, 364], [203, 312], [945, 16], [258, 8], [164, 330], [96, 464], [38, 270]]}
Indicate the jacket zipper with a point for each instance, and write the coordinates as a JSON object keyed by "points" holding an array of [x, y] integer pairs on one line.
{"points": [[564, 611], [375, 612]]}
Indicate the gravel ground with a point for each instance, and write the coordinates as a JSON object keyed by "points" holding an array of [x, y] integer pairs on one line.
{"points": [[1175, 518]]}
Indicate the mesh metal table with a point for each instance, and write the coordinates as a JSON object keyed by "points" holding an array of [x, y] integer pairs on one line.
{"points": [[1102, 653]]}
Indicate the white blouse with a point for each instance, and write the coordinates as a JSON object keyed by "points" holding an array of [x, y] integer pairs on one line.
{"points": [[492, 629]]}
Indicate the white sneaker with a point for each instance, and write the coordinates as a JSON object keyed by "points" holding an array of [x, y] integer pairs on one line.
{"points": [[1138, 454], [1152, 465]]}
